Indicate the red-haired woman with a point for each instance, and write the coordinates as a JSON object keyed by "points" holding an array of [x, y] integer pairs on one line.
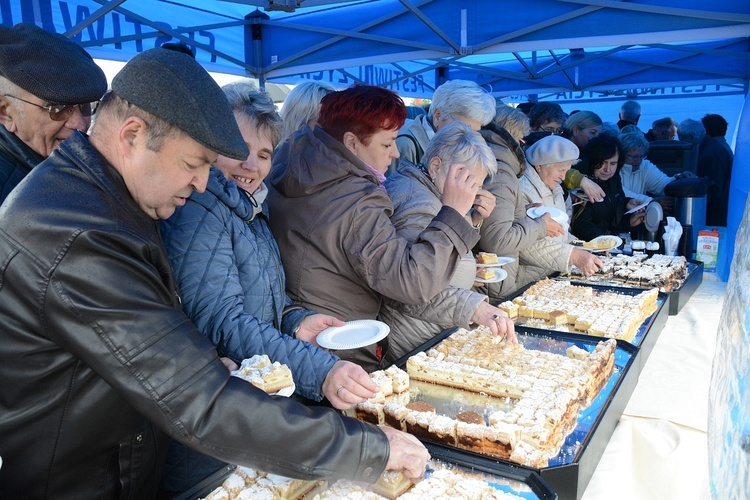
{"points": [[330, 215]]}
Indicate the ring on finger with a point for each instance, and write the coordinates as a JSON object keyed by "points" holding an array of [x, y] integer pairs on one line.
{"points": [[339, 390]]}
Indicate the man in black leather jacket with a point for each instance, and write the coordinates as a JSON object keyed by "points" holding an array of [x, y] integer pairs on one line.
{"points": [[99, 363], [47, 85]]}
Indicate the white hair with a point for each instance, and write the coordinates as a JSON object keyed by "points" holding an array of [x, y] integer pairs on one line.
{"points": [[463, 98], [458, 143]]}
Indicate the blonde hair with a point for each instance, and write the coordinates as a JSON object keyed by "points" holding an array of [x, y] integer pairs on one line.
{"points": [[582, 120], [302, 105], [513, 120]]}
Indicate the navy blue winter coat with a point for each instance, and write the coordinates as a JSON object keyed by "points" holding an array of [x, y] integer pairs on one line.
{"points": [[229, 271]]}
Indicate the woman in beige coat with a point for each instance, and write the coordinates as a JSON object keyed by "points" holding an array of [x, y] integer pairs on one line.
{"points": [[550, 159]]}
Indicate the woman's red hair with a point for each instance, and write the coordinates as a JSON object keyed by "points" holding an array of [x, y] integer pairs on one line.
{"points": [[362, 110]]}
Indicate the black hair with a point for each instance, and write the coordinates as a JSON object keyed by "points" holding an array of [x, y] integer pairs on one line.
{"points": [[601, 148], [716, 125]]}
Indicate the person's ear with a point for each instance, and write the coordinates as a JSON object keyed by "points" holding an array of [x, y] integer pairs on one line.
{"points": [[350, 141], [434, 167], [132, 134], [6, 118]]}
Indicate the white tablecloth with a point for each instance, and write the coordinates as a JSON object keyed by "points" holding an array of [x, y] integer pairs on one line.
{"points": [[659, 448]]}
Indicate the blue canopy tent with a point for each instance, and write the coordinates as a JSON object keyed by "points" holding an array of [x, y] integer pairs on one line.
{"points": [[510, 46], [552, 49]]}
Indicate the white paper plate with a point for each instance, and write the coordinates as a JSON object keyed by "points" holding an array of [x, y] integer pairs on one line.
{"points": [[353, 335], [286, 391], [500, 275], [557, 215], [501, 261], [616, 240], [580, 194], [654, 216], [642, 205]]}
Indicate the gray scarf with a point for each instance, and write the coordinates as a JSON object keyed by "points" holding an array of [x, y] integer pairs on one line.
{"points": [[257, 199]]}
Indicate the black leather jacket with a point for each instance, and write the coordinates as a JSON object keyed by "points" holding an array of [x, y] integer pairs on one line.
{"points": [[16, 161], [98, 362]]}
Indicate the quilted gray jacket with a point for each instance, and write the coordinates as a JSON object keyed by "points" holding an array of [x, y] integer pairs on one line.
{"points": [[416, 201]]}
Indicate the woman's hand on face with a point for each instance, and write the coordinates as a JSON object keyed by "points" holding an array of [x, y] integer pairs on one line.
{"points": [[553, 227], [484, 204], [592, 189], [460, 188], [312, 325]]}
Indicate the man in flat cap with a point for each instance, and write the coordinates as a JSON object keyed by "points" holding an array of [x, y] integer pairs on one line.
{"points": [[99, 363], [49, 87]]}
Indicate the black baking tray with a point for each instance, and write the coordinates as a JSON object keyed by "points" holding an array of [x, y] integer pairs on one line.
{"points": [[677, 298], [522, 482], [647, 334], [570, 472]]}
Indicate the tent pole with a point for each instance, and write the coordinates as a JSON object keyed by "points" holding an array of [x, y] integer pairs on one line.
{"points": [[254, 45]]}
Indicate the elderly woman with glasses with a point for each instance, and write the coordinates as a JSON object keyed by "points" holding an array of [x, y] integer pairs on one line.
{"points": [[550, 159], [640, 177], [417, 193], [609, 216], [547, 117]]}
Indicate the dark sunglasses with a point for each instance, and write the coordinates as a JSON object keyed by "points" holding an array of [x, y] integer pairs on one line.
{"points": [[555, 131], [61, 112]]}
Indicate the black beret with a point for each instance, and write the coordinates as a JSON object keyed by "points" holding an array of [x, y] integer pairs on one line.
{"points": [[174, 87], [49, 65]]}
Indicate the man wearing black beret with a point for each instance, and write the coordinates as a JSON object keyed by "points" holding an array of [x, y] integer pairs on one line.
{"points": [[99, 363], [49, 87]]}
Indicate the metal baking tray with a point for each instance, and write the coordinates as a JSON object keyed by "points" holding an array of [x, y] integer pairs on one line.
{"points": [[568, 473], [677, 297], [644, 339], [522, 482]]}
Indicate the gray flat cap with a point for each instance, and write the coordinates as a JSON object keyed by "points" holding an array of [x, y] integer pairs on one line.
{"points": [[552, 149], [49, 65], [174, 87]]}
